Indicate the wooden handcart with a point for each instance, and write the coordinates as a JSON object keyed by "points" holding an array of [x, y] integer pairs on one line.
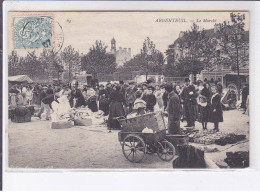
{"points": [[136, 143]]}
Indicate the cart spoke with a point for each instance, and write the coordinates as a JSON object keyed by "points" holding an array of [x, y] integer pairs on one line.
{"points": [[129, 154], [125, 144]]}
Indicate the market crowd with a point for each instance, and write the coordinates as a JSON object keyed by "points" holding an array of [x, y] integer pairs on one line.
{"points": [[190, 102]]}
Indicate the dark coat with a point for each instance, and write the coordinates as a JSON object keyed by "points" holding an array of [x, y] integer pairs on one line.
{"points": [[189, 103], [103, 98], [204, 112], [150, 100], [116, 109], [165, 99], [77, 95], [174, 108], [216, 113]]}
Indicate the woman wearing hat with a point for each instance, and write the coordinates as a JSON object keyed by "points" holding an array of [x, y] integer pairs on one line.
{"points": [[116, 109], [204, 105], [216, 114]]}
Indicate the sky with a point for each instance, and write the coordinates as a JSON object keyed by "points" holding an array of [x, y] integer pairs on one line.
{"points": [[82, 29]]}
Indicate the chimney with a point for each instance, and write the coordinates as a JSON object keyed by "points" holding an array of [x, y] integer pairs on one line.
{"points": [[125, 51], [129, 51], [120, 48]]}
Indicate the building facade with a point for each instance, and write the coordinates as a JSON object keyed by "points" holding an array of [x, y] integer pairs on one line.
{"points": [[122, 55]]}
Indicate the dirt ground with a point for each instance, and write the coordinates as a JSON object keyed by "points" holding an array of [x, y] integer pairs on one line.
{"points": [[36, 145]]}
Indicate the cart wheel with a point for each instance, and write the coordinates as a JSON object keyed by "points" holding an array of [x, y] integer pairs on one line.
{"points": [[133, 148], [165, 151]]}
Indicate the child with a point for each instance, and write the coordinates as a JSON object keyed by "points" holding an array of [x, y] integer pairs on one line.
{"points": [[139, 104], [150, 100]]}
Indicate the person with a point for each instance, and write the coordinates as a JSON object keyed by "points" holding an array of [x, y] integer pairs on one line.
{"points": [[24, 90], [216, 113], [219, 87], [232, 99], [49, 91], [189, 103], [165, 97], [13, 92], [47, 105], [204, 105], [116, 109], [245, 93], [139, 104], [150, 99], [76, 98], [174, 111], [122, 86], [91, 99], [103, 99], [36, 95], [130, 97], [158, 94], [29, 95]]}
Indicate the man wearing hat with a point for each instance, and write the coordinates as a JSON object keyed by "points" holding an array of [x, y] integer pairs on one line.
{"points": [[189, 103]]}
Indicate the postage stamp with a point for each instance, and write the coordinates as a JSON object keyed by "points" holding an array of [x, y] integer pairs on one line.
{"points": [[33, 32]]}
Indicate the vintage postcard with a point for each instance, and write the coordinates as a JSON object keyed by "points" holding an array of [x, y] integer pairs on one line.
{"points": [[128, 90]]}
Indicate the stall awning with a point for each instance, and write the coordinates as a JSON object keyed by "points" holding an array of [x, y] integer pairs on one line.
{"points": [[20, 78]]}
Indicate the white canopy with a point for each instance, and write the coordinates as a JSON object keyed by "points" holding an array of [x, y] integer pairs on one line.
{"points": [[20, 78]]}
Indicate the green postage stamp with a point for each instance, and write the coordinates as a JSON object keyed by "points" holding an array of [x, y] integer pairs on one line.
{"points": [[33, 32]]}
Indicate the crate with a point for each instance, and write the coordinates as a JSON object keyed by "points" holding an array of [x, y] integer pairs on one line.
{"points": [[152, 121], [21, 119]]}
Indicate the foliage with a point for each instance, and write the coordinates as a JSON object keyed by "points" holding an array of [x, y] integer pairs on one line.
{"points": [[190, 46], [51, 63], [235, 43], [98, 60], [71, 59], [149, 59]]}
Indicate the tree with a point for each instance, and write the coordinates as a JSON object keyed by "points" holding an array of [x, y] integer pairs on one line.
{"points": [[72, 60], [31, 66], [13, 64], [235, 44], [98, 60], [153, 58], [190, 45], [149, 60], [51, 63]]}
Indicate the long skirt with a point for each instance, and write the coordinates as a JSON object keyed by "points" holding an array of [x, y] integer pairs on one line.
{"points": [[116, 109], [204, 113], [104, 106], [92, 105], [216, 114], [173, 126]]}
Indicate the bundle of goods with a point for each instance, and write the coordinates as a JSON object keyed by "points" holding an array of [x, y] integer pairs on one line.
{"points": [[237, 159], [229, 139], [205, 137], [83, 116], [20, 115], [219, 138]]}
